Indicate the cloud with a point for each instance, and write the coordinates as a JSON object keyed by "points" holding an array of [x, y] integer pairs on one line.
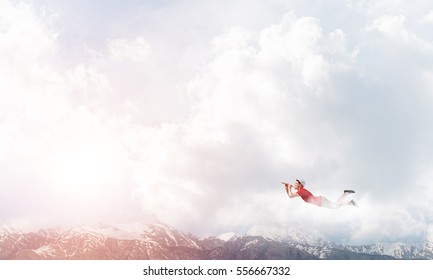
{"points": [[136, 50], [428, 18], [58, 152], [26, 42]]}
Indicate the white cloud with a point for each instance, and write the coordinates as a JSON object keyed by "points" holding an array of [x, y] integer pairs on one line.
{"points": [[136, 50], [22, 27], [295, 40], [392, 27], [427, 18], [60, 151], [26, 42]]}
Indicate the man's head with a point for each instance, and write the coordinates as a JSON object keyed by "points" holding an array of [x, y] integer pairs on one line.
{"points": [[299, 183]]}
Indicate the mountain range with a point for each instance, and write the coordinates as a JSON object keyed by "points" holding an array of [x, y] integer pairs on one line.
{"points": [[158, 241]]}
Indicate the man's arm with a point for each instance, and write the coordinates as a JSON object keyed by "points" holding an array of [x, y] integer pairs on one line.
{"points": [[289, 191]]}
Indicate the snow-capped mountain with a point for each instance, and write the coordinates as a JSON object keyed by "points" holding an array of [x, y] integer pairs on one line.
{"points": [[422, 250], [159, 241], [155, 241]]}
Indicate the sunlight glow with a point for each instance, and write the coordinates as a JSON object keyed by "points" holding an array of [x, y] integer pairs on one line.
{"points": [[83, 171]]}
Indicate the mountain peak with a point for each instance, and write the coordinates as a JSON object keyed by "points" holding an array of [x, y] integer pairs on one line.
{"points": [[227, 236]]}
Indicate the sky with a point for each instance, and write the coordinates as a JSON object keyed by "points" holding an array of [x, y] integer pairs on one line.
{"points": [[192, 112]]}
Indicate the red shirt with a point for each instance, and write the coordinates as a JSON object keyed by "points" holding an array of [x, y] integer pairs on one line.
{"points": [[309, 197]]}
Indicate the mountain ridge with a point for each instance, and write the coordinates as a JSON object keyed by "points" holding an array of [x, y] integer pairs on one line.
{"points": [[161, 242]]}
